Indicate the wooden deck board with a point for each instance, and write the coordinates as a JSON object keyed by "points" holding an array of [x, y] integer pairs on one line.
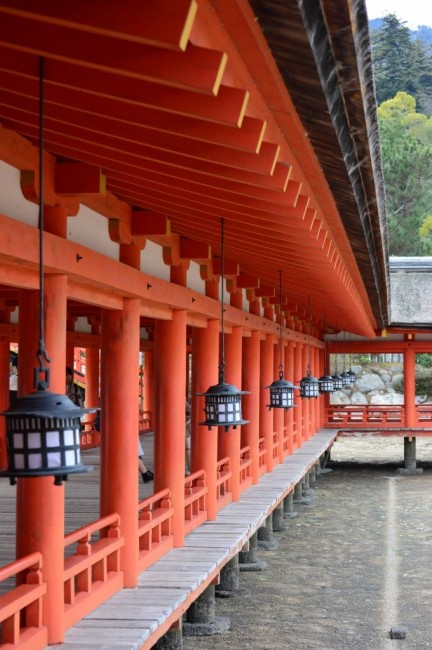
{"points": [[169, 584]]}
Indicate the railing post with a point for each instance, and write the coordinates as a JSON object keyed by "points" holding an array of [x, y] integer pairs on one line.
{"points": [[409, 387]]}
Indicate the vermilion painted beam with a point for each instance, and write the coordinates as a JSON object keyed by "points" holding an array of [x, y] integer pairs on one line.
{"points": [[149, 223], [74, 178], [231, 268], [112, 115], [94, 153], [278, 223], [153, 22], [177, 151], [202, 184], [228, 107], [217, 198], [197, 68], [264, 290], [245, 281], [194, 250]]}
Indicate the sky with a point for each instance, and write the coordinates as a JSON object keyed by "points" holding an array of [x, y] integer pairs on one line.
{"points": [[413, 12]]}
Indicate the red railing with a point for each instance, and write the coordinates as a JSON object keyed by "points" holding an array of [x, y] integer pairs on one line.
{"points": [[92, 574], [285, 442], [21, 607], [154, 528], [223, 483], [262, 457], [369, 416], [144, 421], [195, 508], [245, 468], [275, 448], [89, 437], [424, 415], [294, 434]]}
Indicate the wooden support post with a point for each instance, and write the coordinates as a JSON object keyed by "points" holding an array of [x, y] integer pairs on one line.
{"points": [[251, 402], [319, 403], [92, 377], [409, 388], [4, 387], [229, 441], [119, 419], [40, 503], [298, 412], [205, 357], [266, 378], [278, 414], [289, 414], [170, 397], [305, 402]]}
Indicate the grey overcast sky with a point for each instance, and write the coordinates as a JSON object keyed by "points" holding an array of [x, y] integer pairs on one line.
{"points": [[413, 12]]}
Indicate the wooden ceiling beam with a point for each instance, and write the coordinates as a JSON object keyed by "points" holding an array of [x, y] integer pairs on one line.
{"points": [[78, 179], [202, 197], [92, 154], [177, 151], [197, 68], [227, 107], [191, 249], [161, 23], [131, 120]]}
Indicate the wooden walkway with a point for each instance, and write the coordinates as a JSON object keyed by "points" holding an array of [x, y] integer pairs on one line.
{"points": [[134, 619]]}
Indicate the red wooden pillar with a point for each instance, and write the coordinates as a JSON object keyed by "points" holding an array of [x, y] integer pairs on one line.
{"points": [[92, 378], [170, 397], [40, 503], [319, 403], [229, 441], [298, 412], [289, 375], [278, 414], [251, 402], [409, 387], [205, 360], [305, 402], [119, 418], [4, 387], [266, 378], [148, 399]]}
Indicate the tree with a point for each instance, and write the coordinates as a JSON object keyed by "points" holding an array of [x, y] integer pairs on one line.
{"points": [[401, 64], [406, 143], [392, 52]]}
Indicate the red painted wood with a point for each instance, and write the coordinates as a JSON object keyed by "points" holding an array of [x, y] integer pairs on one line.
{"points": [[266, 378], [119, 419], [170, 402], [229, 441], [205, 360], [40, 503]]}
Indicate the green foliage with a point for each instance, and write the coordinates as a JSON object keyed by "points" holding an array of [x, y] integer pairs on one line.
{"points": [[401, 64], [406, 145], [424, 360], [423, 381]]}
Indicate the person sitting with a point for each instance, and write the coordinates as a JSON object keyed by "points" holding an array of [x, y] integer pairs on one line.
{"points": [[146, 474], [13, 378], [73, 391]]}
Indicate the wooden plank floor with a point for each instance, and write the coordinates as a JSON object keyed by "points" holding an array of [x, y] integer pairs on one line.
{"points": [[135, 619], [81, 498]]}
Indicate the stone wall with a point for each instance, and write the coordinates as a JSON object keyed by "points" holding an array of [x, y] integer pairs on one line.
{"points": [[374, 384]]}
